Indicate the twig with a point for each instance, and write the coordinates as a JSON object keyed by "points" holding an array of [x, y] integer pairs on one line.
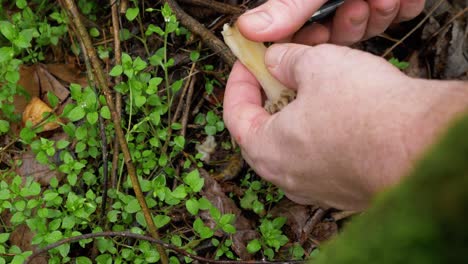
{"points": [[102, 134], [206, 36], [188, 102], [433, 9], [216, 6], [72, 9], [459, 14], [118, 96], [152, 240], [178, 109]]}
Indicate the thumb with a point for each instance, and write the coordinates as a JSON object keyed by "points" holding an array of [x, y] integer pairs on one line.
{"points": [[276, 19], [297, 65], [243, 111]]}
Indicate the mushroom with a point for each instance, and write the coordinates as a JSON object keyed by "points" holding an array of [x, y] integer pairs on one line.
{"points": [[252, 55]]}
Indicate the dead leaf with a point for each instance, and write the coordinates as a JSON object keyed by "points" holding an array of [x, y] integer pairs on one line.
{"points": [[297, 227], [31, 167], [30, 82], [69, 73], [245, 228], [50, 84], [35, 112], [22, 237], [415, 69], [324, 231]]}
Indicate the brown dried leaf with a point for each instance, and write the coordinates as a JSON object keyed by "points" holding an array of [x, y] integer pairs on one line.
{"points": [[50, 84], [30, 167], [298, 218], [415, 69], [245, 228], [35, 111], [68, 73], [324, 231], [30, 82], [22, 237]]}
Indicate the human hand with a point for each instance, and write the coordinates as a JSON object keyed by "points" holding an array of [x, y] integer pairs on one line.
{"points": [[279, 20], [355, 127]]}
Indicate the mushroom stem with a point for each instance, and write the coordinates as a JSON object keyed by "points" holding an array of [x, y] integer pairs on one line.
{"points": [[252, 55]]}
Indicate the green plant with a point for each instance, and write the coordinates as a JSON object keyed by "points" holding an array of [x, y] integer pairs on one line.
{"points": [[399, 64], [272, 237]]}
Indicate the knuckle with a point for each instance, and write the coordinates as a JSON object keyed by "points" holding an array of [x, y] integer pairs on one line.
{"points": [[290, 5]]}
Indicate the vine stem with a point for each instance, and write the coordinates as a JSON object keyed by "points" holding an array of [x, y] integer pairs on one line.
{"points": [[152, 240], [72, 10]]}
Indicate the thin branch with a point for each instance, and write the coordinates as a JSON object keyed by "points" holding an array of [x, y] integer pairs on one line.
{"points": [[219, 7], [188, 102], [433, 9], [118, 96], [459, 14], [213, 42], [152, 240], [72, 9], [178, 109]]}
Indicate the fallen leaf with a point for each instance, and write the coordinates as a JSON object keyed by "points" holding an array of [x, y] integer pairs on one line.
{"points": [[69, 73], [30, 167], [35, 111], [245, 230], [30, 82], [297, 226], [50, 84]]}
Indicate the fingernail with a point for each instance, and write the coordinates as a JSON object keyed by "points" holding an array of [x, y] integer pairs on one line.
{"points": [[258, 20], [274, 55], [357, 21], [386, 11]]}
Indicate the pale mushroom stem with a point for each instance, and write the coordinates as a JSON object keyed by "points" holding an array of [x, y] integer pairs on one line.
{"points": [[252, 55]]}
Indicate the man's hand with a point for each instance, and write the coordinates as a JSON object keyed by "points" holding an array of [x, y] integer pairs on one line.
{"points": [[355, 127], [279, 20]]}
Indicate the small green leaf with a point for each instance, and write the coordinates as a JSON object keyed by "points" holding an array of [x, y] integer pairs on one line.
{"points": [[105, 112], [21, 4], [210, 130], [94, 32], [116, 71], [179, 141], [61, 144], [8, 30], [254, 246], [179, 192], [230, 229], [140, 100], [5, 194], [132, 13], [192, 206], [154, 29], [194, 181], [53, 99], [4, 237], [133, 206], [83, 260], [6, 54], [92, 117], [76, 114], [4, 126], [161, 220], [194, 55]]}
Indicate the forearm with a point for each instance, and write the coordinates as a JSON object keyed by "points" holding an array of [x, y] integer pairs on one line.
{"points": [[441, 103]]}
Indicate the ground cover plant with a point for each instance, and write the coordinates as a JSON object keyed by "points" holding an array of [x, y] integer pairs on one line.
{"points": [[112, 143]]}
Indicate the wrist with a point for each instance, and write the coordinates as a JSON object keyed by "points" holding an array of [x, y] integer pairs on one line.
{"points": [[419, 116]]}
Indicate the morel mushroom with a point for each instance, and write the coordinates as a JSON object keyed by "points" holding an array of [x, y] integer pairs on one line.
{"points": [[252, 55]]}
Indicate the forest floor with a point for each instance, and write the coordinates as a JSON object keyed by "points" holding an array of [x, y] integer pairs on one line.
{"points": [[112, 138]]}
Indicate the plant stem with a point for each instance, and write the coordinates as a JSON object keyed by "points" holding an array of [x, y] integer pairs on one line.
{"points": [[72, 9]]}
